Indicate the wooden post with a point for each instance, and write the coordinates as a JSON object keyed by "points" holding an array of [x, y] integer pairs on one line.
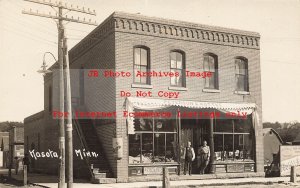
{"points": [[11, 154], [62, 147], [69, 126], [211, 145], [293, 174], [166, 178], [25, 174], [178, 119]]}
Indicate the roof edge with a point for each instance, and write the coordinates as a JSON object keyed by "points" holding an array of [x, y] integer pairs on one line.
{"points": [[33, 117], [121, 14]]}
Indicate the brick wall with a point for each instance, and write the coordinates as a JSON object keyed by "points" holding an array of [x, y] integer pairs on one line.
{"points": [[162, 36], [110, 46], [160, 45], [42, 132], [99, 93]]}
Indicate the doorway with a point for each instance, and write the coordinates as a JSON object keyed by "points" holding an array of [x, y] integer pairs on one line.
{"points": [[195, 131]]}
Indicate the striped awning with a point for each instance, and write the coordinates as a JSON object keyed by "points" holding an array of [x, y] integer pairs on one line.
{"points": [[156, 104], [142, 103]]}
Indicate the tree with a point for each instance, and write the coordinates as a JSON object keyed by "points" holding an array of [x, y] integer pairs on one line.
{"points": [[7, 125], [288, 131], [275, 125]]}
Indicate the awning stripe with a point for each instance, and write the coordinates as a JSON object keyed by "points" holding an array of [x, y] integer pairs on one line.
{"points": [[190, 104], [155, 104]]}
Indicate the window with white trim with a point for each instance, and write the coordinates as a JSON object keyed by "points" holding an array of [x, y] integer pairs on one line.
{"points": [[211, 66], [241, 74]]}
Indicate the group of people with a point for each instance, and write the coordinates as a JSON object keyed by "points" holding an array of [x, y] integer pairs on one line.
{"points": [[203, 156]]}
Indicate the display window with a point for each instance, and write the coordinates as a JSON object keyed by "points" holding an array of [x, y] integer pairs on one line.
{"points": [[233, 140], [154, 141]]}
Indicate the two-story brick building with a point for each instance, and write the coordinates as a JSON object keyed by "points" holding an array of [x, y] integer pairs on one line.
{"points": [[134, 43]]}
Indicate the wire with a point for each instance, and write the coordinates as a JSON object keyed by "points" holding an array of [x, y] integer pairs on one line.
{"points": [[78, 30], [30, 36], [29, 33], [44, 30], [29, 24]]}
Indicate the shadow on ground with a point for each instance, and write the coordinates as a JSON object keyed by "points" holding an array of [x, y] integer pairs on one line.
{"points": [[10, 182]]}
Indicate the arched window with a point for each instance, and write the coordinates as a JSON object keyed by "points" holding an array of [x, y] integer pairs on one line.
{"points": [[177, 67], [241, 74], [211, 66], [141, 64]]}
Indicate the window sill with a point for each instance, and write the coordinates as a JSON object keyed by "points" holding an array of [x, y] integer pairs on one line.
{"points": [[242, 92], [211, 90], [154, 164], [145, 86], [177, 88], [239, 161]]}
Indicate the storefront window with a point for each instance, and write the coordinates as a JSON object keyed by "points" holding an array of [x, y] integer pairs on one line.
{"points": [[171, 148], [165, 125], [234, 141], [147, 148], [155, 141], [134, 148], [223, 125], [242, 125], [143, 124], [159, 147]]}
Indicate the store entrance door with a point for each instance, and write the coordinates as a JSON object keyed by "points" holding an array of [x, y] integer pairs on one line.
{"points": [[195, 131]]}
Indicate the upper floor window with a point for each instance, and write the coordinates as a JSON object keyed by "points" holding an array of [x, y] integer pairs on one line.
{"points": [[177, 67], [241, 74], [211, 65], [141, 64]]}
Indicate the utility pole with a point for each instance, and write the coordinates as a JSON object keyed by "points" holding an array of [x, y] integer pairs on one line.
{"points": [[61, 142], [69, 126], [59, 17]]}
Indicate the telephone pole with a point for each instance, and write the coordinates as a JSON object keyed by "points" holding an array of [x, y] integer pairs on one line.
{"points": [[61, 144], [63, 59], [69, 126]]}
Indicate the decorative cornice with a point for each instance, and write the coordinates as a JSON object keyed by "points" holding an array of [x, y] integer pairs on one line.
{"points": [[143, 25]]}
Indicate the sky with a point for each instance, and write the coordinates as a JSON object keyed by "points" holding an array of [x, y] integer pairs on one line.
{"points": [[24, 39]]}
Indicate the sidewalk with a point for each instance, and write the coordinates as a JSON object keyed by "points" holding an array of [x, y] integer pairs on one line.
{"points": [[51, 182], [36, 178], [211, 182]]}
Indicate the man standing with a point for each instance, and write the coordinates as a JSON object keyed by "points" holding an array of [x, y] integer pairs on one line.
{"points": [[189, 156], [204, 153]]}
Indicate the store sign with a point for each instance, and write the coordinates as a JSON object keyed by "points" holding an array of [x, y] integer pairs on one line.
{"points": [[153, 170], [289, 156]]}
